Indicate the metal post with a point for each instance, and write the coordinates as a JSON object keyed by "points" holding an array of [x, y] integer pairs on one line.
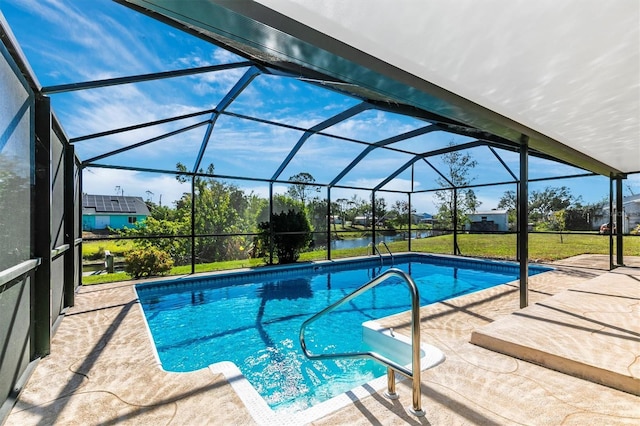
{"points": [[78, 213], [456, 250], [523, 221], [611, 264], [69, 224], [271, 223], [413, 166], [518, 234], [373, 218], [416, 368], [42, 227], [391, 384], [410, 217], [193, 224], [329, 220], [619, 224]]}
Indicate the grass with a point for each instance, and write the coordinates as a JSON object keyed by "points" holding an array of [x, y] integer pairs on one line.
{"points": [[542, 248], [94, 250]]}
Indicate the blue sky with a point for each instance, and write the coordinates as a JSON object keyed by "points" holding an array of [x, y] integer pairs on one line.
{"points": [[69, 41]]}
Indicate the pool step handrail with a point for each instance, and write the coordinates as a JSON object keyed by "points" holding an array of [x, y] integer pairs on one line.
{"points": [[374, 250], [391, 365], [387, 247]]}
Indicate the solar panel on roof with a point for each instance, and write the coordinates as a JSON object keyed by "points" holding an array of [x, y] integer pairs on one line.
{"points": [[110, 203]]}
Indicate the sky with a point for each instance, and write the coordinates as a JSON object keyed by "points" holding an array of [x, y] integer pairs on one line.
{"points": [[69, 41]]}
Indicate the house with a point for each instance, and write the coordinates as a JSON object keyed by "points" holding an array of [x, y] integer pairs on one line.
{"points": [[630, 214], [100, 212], [494, 220], [424, 218], [360, 220]]}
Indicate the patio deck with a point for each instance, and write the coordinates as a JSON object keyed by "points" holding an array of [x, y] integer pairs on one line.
{"points": [[102, 369]]}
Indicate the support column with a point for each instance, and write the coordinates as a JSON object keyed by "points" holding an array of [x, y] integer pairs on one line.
{"points": [[410, 217], [610, 221], [456, 249], [193, 224], [271, 236], [69, 224], [373, 219], [523, 221], [329, 220], [78, 213], [619, 222], [42, 228]]}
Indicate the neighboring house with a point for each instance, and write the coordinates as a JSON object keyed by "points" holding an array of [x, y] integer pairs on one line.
{"points": [[100, 212], [336, 220], [494, 220], [630, 214], [422, 218], [360, 220]]}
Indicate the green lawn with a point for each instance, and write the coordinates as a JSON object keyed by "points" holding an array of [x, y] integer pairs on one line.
{"points": [[542, 247], [94, 250]]}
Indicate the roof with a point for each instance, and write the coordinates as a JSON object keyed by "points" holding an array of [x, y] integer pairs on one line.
{"points": [[565, 76], [495, 212], [114, 205]]}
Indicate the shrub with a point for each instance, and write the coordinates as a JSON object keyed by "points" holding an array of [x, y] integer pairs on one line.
{"points": [[291, 235], [147, 262]]}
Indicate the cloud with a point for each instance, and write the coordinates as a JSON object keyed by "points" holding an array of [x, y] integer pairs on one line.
{"points": [[87, 39]]}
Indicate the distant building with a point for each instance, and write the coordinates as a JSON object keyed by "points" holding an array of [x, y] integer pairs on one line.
{"points": [[360, 220], [336, 220], [100, 212], [422, 218], [630, 214], [494, 220]]}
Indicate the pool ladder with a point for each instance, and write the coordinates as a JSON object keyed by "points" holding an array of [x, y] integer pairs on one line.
{"points": [[392, 366], [375, 249]]}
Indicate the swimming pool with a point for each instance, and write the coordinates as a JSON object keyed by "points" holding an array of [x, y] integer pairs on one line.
{"points": [[253, 319]]}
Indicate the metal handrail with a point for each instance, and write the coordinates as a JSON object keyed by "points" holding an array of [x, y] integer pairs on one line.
{"points": [[387, 247], [391, 365], [375, 249], [19, 270]]}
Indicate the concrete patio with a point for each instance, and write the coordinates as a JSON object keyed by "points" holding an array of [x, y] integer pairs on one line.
{"points": [[103, 370]]}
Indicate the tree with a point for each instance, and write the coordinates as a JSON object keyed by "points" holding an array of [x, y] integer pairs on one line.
{"points": [[509, 202], [340, 207], [458, 166], [544, 204], [402, 216], [303, 189], [580, 217], [317, 215], [558, 222], [291, 234], [380, 210], [220, 209], [357, 207]]}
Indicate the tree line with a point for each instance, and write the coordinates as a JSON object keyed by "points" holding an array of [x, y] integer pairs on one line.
{"points": [[230, 223]]}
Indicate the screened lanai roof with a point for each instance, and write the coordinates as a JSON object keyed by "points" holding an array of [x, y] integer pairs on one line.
{"points": [[566, 75], [295, 86]]}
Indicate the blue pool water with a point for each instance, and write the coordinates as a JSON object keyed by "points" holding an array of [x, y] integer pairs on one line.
{"points": [[254, 320]]}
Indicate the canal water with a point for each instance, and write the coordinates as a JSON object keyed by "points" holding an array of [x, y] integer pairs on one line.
{"points": [[363, 242]]}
